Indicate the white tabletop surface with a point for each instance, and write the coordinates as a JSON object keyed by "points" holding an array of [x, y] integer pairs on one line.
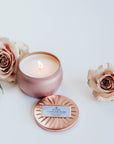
{"points": [[81, 34]]}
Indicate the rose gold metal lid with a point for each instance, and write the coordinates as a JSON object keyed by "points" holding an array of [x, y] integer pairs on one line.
{"points": [[56, 113]]}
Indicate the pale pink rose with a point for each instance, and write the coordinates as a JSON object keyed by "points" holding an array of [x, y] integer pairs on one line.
{"points": [[10, 52], [22, 48], [102, 82]]}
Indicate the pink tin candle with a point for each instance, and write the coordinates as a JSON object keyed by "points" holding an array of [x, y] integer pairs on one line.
{"points": [[39, 74]]}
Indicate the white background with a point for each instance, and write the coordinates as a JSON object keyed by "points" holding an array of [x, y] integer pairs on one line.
{"points": [[81, 34]]}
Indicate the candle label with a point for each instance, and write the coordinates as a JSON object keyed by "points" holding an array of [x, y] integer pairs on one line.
{"points": [[56, 111]]}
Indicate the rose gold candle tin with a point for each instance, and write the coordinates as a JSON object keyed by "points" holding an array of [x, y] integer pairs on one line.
{"points": [[40, 87], [56, 113]]}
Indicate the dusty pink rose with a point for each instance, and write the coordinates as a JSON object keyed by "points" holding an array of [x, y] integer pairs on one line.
{"points": [[10, 53], [102, 82]]}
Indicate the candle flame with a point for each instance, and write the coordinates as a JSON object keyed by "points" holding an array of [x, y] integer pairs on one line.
{"points": [[40, 65]]}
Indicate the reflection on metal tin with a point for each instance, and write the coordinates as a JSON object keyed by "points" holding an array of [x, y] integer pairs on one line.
{"points": [[56, 113]]}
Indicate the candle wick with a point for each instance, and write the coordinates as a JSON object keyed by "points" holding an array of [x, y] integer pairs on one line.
{"points": [[40, 65]]}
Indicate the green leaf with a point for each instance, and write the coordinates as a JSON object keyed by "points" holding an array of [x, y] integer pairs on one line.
{"points": [[1, 89]]}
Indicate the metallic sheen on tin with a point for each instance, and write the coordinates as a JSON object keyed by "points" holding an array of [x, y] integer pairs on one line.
{"points": [[40, 87], [54, 123]]}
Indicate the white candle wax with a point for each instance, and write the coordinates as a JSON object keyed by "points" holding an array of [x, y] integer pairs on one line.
{"points": [[39, 65]]}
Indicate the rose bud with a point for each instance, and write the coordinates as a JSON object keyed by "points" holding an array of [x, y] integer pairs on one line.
{"points": [[102, 82], [10, 53]]}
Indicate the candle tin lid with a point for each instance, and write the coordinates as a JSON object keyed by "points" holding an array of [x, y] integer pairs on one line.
{"points": [[56, 113]]}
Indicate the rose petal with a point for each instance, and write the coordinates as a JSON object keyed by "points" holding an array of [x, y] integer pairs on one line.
{"points": [[103, 97], [23, 48], [10, 52], [94, 81], [10, 46]]}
